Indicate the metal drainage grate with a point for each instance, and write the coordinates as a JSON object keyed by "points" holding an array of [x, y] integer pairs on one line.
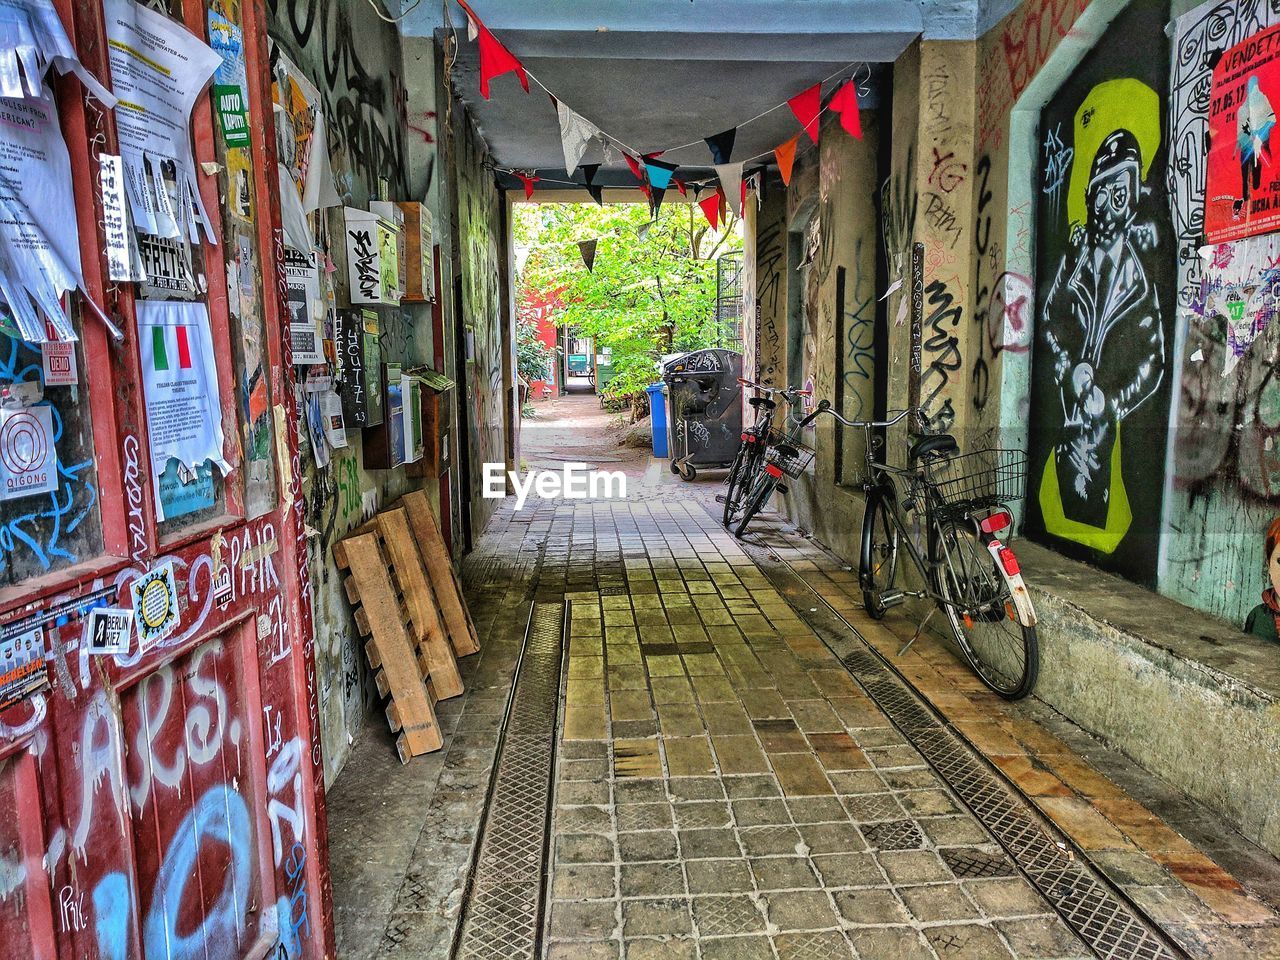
{"points": [[1095, 912], [893, 835], [970, 864], [503, 912]]}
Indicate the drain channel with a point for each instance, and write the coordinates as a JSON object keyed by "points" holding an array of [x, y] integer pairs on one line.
{"points": [[1099, 914], [1101, 918], [502, 913]]}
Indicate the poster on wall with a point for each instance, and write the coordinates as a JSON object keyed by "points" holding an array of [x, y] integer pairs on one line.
{"points": [[302, 275], [1242, 186], [28, 458], [230, 86], [158, 69], [22, 663], [180, 387]]}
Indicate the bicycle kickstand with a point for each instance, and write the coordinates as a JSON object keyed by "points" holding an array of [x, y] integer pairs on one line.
{"points": [[919, 630]]}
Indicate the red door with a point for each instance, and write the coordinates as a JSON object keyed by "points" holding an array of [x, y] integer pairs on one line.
{"points": [[167, 801]]}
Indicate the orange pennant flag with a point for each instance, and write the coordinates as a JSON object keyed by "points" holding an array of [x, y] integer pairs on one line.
{"points": [[786, 155]]}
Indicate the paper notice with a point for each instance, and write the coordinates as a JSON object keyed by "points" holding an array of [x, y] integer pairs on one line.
{"points": [[39, 242], [302, 275], [158, 69], [58, 363], [34, 40], [335, 431], [123, 262], [180, 386]]}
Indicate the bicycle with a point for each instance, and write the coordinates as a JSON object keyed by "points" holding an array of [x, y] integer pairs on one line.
{"points": [[783, 454], [750, 456], [969, 573]]}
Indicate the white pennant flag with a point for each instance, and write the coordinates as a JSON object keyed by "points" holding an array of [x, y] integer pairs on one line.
{"points": [[730, 175], [575, 133], [473, 31]]}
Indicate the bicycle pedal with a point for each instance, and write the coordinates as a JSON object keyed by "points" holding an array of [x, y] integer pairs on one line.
{"points": [[721, 498], [892, 598], [781, 489]]}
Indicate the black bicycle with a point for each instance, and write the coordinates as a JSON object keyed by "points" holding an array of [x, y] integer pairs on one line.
{"points": [[783, 455], [969, 573], [749, 460]]}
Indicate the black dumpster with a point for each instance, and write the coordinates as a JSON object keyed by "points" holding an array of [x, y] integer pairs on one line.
{"points": [[704, 409]]}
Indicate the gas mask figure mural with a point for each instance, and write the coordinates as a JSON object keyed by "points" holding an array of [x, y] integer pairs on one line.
{"points": [[1102, 297], [1103, 338]]}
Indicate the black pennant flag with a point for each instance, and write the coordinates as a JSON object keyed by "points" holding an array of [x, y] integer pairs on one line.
{"points": [[589, 171], [722, 145], [655, 200], [588, 250]]}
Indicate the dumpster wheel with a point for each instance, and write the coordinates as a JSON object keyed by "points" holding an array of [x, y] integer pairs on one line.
{"points": [[687, 472]]}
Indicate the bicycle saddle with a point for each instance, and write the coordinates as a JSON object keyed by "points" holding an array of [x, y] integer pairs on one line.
{"points": [[938, 445], [761, 403]]}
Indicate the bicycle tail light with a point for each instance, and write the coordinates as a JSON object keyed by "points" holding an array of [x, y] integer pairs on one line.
{"points": [[1009, 561], [773, 470], [996, 522]]}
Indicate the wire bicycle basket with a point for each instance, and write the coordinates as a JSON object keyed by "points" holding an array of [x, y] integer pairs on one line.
{"points": [[786, 450], [979, 479]]}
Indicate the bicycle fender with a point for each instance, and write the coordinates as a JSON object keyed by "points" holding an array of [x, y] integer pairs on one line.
{"points": [[1022, 605]]}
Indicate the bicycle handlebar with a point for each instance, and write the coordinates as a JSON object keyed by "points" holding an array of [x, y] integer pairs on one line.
{"points": [[785, 391], [866, 423]]}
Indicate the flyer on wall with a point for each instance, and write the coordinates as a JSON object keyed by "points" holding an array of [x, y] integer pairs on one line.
{"points": [[158, 69], [180, 387], [1242, 185]]}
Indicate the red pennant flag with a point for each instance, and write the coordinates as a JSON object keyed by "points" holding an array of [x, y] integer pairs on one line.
{"points": [[680, 186], [634, 164], [711, 210], [786, 156], [528, 179], [806, 106], [495, 59], [845, 103]]}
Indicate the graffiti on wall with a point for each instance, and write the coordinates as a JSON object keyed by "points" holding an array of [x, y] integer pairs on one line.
{"points": [[1100, 382]]}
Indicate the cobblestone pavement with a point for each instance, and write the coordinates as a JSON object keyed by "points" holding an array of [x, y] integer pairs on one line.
{"points": [[725, 789]]}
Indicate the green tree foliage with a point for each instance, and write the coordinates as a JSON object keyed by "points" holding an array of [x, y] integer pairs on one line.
{"points": [[533, 357], [653, 289]]}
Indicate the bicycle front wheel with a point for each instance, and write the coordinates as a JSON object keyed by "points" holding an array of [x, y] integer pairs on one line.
{"points": [[1003, 652], [878, 561]]}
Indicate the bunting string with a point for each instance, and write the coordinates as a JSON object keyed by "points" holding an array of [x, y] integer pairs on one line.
{"points": [[857, 78]]}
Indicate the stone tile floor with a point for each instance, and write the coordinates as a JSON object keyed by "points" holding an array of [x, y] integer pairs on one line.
{"points": [[724, 789]]}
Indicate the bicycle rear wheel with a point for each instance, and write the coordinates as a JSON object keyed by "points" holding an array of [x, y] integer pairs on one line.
{"points": [[755, 499], [1004, 653], [739, 478], [878, 561]]}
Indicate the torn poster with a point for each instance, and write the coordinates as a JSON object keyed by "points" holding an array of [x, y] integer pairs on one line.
{"points": [[32, 39], [180, 386], [39, 241], [123, 259], [1241, 287], [230, 85], [158, 69], [301, 139]]}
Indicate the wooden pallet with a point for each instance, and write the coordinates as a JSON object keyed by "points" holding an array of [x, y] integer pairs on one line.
{"points": [[390, 650], [444, 582], [435, 654]]}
